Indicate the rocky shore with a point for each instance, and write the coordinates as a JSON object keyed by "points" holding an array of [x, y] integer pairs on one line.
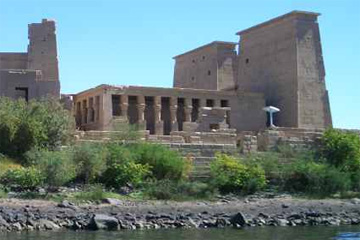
{"points": [[112, 214]]}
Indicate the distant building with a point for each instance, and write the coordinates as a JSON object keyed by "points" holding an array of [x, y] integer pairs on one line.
{"points": [[279, 63], [32, 74], [217, 88]]}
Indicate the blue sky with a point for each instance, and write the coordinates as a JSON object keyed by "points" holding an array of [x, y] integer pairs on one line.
{"points": [[132, 42]]}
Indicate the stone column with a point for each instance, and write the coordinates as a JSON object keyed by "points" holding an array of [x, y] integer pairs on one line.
{"points": [[85, 119], [159, 124], [124, 105], [90, 109], [217, 103], [173, 112], [188, 125], [141, 112], [187, 108]]}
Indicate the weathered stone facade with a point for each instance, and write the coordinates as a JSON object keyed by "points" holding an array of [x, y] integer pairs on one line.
{"points": [[219, 92], [33, 74]]}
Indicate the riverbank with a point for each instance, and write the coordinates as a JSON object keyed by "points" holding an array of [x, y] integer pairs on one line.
{"points": [[281, 210]]}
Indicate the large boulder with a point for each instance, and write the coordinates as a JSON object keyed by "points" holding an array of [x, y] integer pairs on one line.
{"points": [[101, 221], [239, 219], [3, 222], [48, 225]]}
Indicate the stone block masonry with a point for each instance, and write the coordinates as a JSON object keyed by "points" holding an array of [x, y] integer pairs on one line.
{"points": [[34, 74], [279, 63], [219, 89]]}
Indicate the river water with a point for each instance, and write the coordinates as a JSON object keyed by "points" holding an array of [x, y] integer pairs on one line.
{"points": [[258, 233]]}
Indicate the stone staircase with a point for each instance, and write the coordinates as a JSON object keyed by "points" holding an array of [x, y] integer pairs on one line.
{"points": [[201, 156]]}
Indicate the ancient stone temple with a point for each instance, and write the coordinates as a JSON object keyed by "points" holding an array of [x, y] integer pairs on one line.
{"points": [[220, 89], [32, 74]]}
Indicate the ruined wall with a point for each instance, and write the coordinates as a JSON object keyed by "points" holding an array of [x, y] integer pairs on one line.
{"points": [[245, 110], [33, 74], [267, 64], [314, 107], [282, 59], [208, 67], [42, 50], [13, 60], [14, 83]]}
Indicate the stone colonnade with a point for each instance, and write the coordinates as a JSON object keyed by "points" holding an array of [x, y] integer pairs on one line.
{"points": [[87, 111], [161, 115]]}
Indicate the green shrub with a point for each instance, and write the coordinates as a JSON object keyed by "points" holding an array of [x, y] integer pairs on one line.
{"points": [[316, 178], [43, 124], [169, 190], [341, 149], [125, 132], [57, 167], [233, 175], [121, 168], [90, 159], [6, 164], [91, 193], [3, 193], [28, 178], [164, 163]]}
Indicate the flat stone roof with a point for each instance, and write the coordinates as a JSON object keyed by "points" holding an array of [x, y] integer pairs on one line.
{"points": [[274, 20], [205, 46]]}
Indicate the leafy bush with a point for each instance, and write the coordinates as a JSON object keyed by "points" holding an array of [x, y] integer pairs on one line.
{"points": [[232, 175], [3, 193], [29, 177], [182, 190], [341, 149], [121, 168], [91, 193], [164, 163], [90, 159], [125, 132], [57, 167], [6, 164], [315, 178], [43, 124]]}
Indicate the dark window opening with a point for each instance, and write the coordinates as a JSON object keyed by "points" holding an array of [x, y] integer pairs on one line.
{"points": [[165, 115], [78, 114], [193, 60], [203, 57], [214, 126], [149, 114], [132, 110], [209, 102], [180, 113], [97, 106], [21, 92], [224, 103], [192, 78], [195, 109], [85, 110], [91, 109], [247, 61], [209, 72], [116, 108]]}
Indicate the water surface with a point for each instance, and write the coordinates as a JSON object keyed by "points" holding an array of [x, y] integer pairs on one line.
{"points": [[258, 233]]}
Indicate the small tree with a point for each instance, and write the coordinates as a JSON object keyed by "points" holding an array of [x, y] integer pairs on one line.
{"points": [[41, 124], [90, 159], [341, 149], [57, 167], [230, 174]]}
